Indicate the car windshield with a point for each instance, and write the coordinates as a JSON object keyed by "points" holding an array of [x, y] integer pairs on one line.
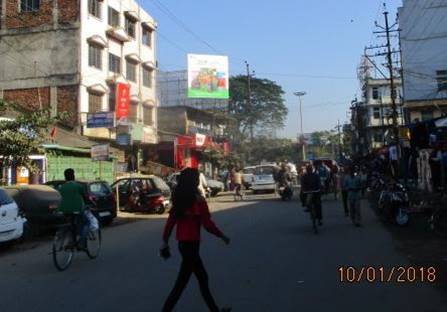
{"points": [[5, 199], [264, 171], [249, 170], [99, 189]]}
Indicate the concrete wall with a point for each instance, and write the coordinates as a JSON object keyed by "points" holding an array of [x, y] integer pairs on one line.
{"points": [[424, 46]]}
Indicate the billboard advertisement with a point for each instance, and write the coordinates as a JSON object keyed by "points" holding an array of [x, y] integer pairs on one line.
{"points": [[100, 152], [122, 100], [100, 120], [208, 77]]}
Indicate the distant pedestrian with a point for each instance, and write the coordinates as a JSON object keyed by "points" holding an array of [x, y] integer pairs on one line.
{"points": [[353, 184], [190, 212], [344, 192]]}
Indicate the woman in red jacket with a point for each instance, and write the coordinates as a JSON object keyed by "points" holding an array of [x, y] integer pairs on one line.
{"points": [[190, 212]]}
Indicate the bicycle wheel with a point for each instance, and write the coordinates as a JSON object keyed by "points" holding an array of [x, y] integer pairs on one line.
{"points": [[440, 222], [63, 249], [94, 243]]}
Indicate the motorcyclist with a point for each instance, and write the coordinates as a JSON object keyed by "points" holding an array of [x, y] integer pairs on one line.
{"points": [[284, 176]]}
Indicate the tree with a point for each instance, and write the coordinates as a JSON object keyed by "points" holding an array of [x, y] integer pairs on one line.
{"points": [[266, 110], [22, 135]]}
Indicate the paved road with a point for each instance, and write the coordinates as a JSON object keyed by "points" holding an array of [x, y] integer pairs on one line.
{"points": [[275, 263]]}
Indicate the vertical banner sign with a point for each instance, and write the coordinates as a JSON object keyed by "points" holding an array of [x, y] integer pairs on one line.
{"points": [[208, 76], [122, 100]]}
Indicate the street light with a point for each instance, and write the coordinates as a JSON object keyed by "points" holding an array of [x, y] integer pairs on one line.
{"points": [[299, 95]]}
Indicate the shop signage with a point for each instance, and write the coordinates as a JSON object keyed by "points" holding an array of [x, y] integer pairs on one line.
{"points": [[100, 152], [122, 100], [149, 135], [100, 120], [123, 139], [200, 139]]}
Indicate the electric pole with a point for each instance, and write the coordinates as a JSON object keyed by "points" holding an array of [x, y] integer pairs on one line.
{"points": [[249, 101], [340, 152]]}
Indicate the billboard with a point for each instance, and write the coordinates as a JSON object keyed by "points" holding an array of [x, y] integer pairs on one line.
{"points": [[100, 152], [208, 77], [122, 100], [100, 120]]}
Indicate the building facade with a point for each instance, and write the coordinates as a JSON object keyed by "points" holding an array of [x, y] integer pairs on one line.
{"points": [[377, 112], [424, 42], [70, 56]]}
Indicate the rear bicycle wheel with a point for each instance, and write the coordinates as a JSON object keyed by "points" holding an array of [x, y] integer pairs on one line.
{"points": [[63, 249], [94, 243]]}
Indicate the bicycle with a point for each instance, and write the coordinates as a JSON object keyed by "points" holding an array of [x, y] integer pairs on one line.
{"points": [[66, 242], [312, 198]]}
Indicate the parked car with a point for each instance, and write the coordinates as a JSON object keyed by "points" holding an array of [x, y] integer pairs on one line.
{"points": [[100, 198], [151, 185], [264, 179], [215, 186], [247, 174], [11, 222], [37, 203]]}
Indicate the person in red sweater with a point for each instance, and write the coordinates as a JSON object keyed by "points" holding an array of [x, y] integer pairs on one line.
{"points": [[189, 213]]}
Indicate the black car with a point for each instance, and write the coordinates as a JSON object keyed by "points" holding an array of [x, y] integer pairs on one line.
{"points": [[37, 203], [100, 198], [147, 183]]}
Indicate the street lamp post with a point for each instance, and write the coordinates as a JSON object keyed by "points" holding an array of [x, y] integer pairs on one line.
{"points": [[299, 95]]}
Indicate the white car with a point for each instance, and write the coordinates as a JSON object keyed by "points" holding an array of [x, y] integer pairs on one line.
{"points": [[247, 174], [11, 223], [264, 179]]}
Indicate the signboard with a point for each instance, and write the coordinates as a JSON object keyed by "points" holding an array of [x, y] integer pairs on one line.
{"points": [[100, 152], [122, 100], [149, 135], [100, 120], [208, 76], [200, 139], [123, 139], [137, 132]]}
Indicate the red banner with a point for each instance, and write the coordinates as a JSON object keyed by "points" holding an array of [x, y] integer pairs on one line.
{"points": [[122, 100]]}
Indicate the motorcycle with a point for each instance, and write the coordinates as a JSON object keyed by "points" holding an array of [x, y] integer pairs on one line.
{"points": [[285, 192], [394, 204], [150, 202]]}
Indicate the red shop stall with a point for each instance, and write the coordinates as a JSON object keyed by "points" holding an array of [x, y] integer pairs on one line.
{"points": [[188, 150]]}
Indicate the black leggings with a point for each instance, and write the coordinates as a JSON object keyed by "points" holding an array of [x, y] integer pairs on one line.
{"points": [[191, 263]]}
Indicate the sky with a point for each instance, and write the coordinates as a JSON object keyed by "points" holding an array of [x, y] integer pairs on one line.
{"points": [[312, 46]]}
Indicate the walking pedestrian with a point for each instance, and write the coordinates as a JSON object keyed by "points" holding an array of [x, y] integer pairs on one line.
{"points": [[353, 184], [190, 212], [344, 191]]}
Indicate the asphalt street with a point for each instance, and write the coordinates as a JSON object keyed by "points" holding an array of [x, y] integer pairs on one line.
{"points": [[274, 263]]}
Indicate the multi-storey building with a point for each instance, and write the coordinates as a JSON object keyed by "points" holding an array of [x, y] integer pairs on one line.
{"points": [[70, 55], [378, 111], [424, 42]]}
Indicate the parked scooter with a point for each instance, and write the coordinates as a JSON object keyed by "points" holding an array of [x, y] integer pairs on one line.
{"points": [[394, 204], [150, 202]]}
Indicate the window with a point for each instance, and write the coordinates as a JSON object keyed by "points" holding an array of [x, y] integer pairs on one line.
{"points": [[130, 27], [147, 77], [376, 113], [147, 36], [133, 112], [112, 97], [147, 115], [375, 93], [29, 5], [95, 56], [113, 17], [441, 77], [94, 8], [94, 103], [131, 71], [114, 63]]}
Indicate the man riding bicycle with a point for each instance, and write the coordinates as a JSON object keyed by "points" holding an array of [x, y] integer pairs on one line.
{"points": [[324, 172], [73, 206], [311, 189]]}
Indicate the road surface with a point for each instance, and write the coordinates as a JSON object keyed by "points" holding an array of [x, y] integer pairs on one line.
{"points": [[274, 263]]}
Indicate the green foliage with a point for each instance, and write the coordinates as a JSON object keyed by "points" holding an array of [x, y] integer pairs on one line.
{"points": [[270, 150], [23, 135], [267, 109]]}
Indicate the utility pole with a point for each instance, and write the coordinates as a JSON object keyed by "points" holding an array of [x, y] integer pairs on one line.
{"points": [[386, 33], [340, 152], [249, 101]]}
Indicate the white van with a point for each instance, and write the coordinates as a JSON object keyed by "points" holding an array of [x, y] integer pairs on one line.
{"points": [[11, 223], [264, 179]]}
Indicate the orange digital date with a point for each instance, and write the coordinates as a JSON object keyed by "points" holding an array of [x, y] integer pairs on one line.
{"points": [[370, 274]]}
